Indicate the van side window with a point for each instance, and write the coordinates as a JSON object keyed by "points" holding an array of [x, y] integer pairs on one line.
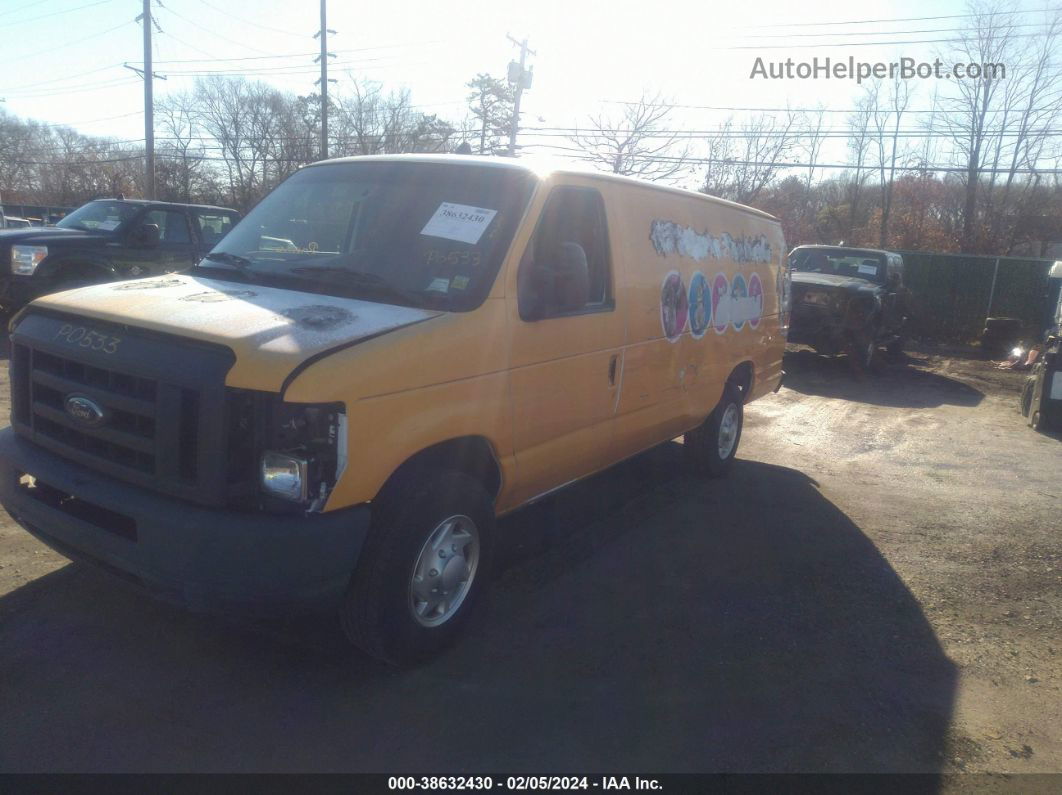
{"points": [[566, 268]]}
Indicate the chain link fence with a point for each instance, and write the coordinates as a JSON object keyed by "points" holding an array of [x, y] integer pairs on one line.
{"points": [[954, 293]]}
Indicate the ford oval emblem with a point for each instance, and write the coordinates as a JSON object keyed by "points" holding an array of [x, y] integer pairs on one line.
{"points": [[85, 410]]}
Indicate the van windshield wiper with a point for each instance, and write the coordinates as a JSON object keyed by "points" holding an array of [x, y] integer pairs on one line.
{"points": [[235, 260], [366, 279]]}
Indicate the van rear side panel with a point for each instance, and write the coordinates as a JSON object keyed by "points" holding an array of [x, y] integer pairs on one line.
{"points": [[701, 283]]}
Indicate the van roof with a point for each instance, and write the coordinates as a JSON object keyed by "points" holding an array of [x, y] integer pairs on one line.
{"points": [[543, 166]]}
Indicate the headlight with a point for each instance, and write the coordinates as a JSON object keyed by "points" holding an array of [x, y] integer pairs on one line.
{"points": [[25, 259], [284, 475]]}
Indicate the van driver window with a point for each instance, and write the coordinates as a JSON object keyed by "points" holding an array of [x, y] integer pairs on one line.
{"points": [[565, 269]]}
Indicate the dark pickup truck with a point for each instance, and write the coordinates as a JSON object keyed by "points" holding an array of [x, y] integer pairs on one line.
{"points": [[848, 300], [107, 240]]}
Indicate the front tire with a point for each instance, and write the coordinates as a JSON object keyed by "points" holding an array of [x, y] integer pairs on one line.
{"points": [[423, 568], [712, 446]]}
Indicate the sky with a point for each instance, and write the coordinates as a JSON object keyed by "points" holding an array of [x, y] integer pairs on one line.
{"points": [[62, 60]]}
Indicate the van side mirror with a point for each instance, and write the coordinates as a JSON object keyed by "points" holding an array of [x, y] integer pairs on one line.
{"points": [[147, 235]]}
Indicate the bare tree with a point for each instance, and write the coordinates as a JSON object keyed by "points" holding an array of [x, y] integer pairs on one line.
{"points": [[745, 159], [636, 142], [369, 121], [887, 115], [859, 140], [972, 113]]}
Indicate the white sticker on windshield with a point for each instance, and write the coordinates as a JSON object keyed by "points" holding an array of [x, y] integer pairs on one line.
{"points": [[869, 270], [459, 222], [108, 225], [439, 286]]}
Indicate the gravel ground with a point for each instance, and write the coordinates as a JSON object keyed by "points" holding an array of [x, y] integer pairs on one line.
{"points": [[876, 587]]}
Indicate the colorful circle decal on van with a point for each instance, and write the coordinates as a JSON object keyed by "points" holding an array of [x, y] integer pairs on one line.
{"points": [[673, 306], [700, 305], [739, 292], [755, 300], [720, 303]]}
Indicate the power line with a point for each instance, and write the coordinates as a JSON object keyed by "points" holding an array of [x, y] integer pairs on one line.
{"points": [[74, 89], [23, 8], [875, 32], [740, 109], [844, 166], [901, 19], [279, 70], [212, 33], [56, 13], [297, 54], [63, 45], [855, 43], [249, 22], [65, 77], [87, 121]]}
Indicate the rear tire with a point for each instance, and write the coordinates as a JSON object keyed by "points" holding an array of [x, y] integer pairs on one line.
{"points": [[434, 529], [712, 446]]}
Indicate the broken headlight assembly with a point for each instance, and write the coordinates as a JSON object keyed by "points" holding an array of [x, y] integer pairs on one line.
{"points": [[304, 451]]}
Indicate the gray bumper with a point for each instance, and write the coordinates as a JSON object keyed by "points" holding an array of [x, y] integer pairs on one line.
{"points": [[198, 557]]}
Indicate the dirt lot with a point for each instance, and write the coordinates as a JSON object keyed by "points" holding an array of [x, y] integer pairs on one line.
{"points": [[877, 586]]}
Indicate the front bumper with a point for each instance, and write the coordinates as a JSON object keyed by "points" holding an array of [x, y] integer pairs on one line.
{"points": [[819, 327], [200, 558]]}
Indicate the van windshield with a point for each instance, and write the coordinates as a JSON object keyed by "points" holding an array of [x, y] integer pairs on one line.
{"points": [[420, 234]]}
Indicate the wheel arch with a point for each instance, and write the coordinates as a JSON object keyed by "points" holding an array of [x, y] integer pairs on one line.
{"points": [[80, 264], [743, 376], [471, 455]]}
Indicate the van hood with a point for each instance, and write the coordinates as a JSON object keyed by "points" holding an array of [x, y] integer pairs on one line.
{"points": [[271, 331], [831, 280]]}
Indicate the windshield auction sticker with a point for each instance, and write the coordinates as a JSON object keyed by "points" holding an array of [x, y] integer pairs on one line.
{"points": [[459, 222]]}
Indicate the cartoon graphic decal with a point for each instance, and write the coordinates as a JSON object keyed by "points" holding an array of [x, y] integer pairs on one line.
{"points": [[755, 300], [739, 293], [720, 303], [673, 306], [700, 305]]}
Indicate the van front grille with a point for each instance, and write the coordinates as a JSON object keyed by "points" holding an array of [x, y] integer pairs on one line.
{"points": [[152, 412], [127, 438]]}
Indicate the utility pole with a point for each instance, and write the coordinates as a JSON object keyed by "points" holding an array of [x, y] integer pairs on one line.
{"points": [[520, 76], [149, 100], [149, 108], [324, 81]]}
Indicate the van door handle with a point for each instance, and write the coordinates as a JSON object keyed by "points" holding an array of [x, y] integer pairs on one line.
{"points": [[612, 369]]}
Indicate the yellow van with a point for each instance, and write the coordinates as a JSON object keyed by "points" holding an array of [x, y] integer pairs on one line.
{"points": [[385, 355]]}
